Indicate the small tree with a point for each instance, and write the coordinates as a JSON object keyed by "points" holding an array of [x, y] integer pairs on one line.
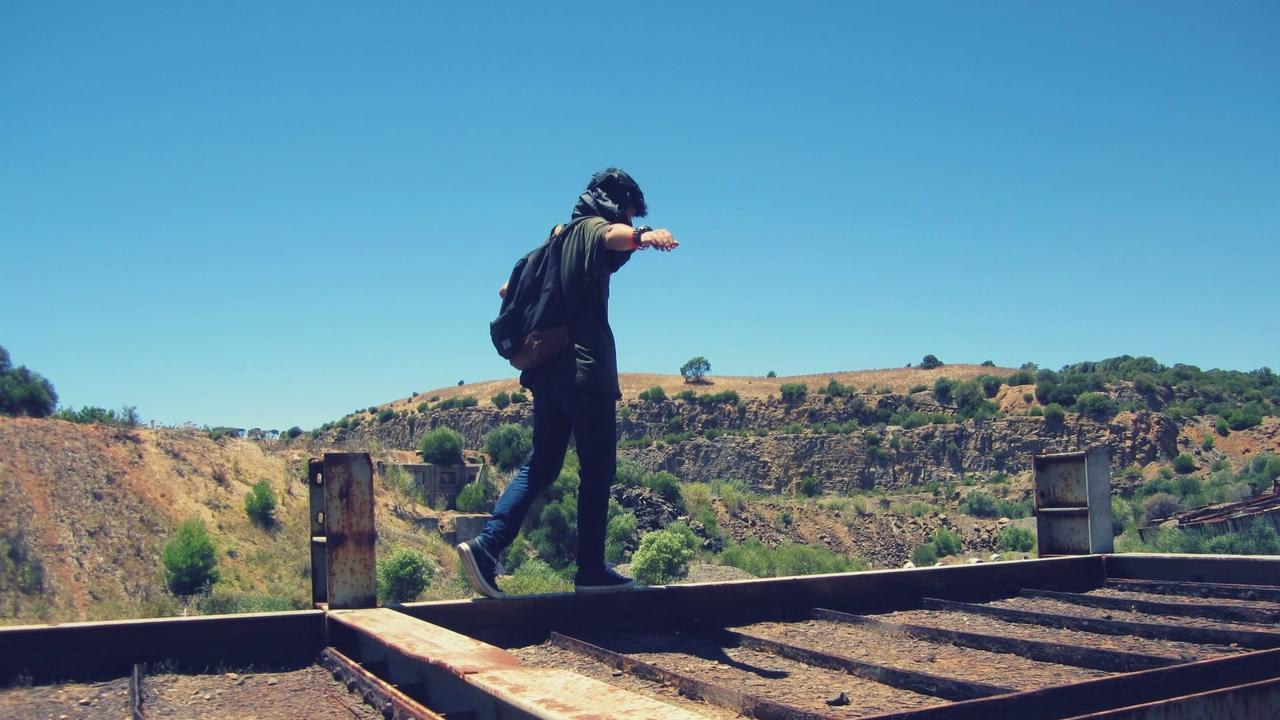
{"points": [[930, 362], [190, 562], [771, 374], [260, 504], [695, 371], [663, 556], [508, 445], [942, 389], [403, 574], [442, 446]]}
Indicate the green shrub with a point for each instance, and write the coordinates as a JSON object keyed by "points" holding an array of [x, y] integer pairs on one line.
{"points": [[1096, 405], [516, 553], [924, 555], [942, 389], [664, 555], [788, 559], [501, 400], [990, 385], [917, 389], [1016, 539], [190, 561], [687, 396], [220, 602], [979, 504], [23, 391], [835, 388], [477, 496], [508, 445], [1020, 377], [946, 542], [695, 370], [403, 574], [1222, 427], [793, 393], [919, 508], [386, 415], [452, 403], [535, 577], [666, 485], [1160, 506], [1054, 415], [291, 433], [653, 394], [809, 486], [930, 362], [1206, 443], [726, 397], [260, 504], [1184, 464], [970, 402], [1243, 418], [442, 446], [771, 374], [619, 532], [518, 397]]}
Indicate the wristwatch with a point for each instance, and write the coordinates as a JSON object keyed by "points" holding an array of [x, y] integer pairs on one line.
{"points": [[636, 233]]}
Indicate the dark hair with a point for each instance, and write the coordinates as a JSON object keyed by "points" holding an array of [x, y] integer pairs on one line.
{"points": [[621, 188]]}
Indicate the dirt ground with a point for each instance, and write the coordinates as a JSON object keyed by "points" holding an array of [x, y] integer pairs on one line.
{"points": [[310, 692]]}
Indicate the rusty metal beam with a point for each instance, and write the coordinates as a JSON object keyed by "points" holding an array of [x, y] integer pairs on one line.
{"points": [[1204, 636], [107, 650], [1235, 613], [1252, 700], [1102, 694], [376, 692], [1239, 569], [725, 697], [1063, 654], [918, 682], [349, 531], [1265, 593]]}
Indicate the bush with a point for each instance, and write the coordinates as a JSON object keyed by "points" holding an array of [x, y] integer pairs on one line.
{"points": [[917, 389], [835, 388], [477, 496], [990, 385], [516, 554], [518, 397], [1206, 443], [619, 532], [403, 574], [724, 397], [1016, 539], [535, 577], [930, 362], [1243, 418], [190, 562], [771, 374], [942, 389], [809, 486], [291, 433], [386, 415], [508, 446], [1020, 377], [653, 394], [465, 401], [260, 504], [946, 542], [924, 555], [695, 371], [978, 504], [1183, 464], [1160, 506], [23, 391], [442, 446], [1096, 405], [787, 559], [665, 484], [1222, 427], [501, 400], [1054, 415], [793, 393], [664, 555]]}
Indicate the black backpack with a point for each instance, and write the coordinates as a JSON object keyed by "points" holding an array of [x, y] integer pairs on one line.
{"points": [[533, 324]]}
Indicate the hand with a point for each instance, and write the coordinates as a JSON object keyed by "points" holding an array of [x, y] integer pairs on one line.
{"points": [[502, 291], [660, 239]]}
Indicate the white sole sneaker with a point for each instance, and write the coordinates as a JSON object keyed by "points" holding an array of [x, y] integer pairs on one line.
{"points": [[474, 578]]}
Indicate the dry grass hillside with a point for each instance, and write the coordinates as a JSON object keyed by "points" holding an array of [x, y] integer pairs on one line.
{"points": [[87, 509], [898, 380]]}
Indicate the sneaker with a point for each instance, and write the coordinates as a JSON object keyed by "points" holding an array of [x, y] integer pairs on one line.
{"points": [[479, 568], [604, 580]]}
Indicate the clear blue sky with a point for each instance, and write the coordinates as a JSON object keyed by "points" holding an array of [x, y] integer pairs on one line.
{"points": [[269, 214]]}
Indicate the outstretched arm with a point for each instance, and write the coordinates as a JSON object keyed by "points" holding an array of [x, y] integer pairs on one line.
{"points": [[618, 237]]}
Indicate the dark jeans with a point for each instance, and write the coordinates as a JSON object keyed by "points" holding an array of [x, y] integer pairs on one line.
{"points": [[558, 410]]}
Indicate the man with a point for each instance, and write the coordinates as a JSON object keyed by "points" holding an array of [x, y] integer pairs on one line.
{"points": [[575, 392]]}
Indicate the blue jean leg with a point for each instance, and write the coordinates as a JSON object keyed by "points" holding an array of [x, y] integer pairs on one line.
{"points": [[552, 425], [595, 434]]}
